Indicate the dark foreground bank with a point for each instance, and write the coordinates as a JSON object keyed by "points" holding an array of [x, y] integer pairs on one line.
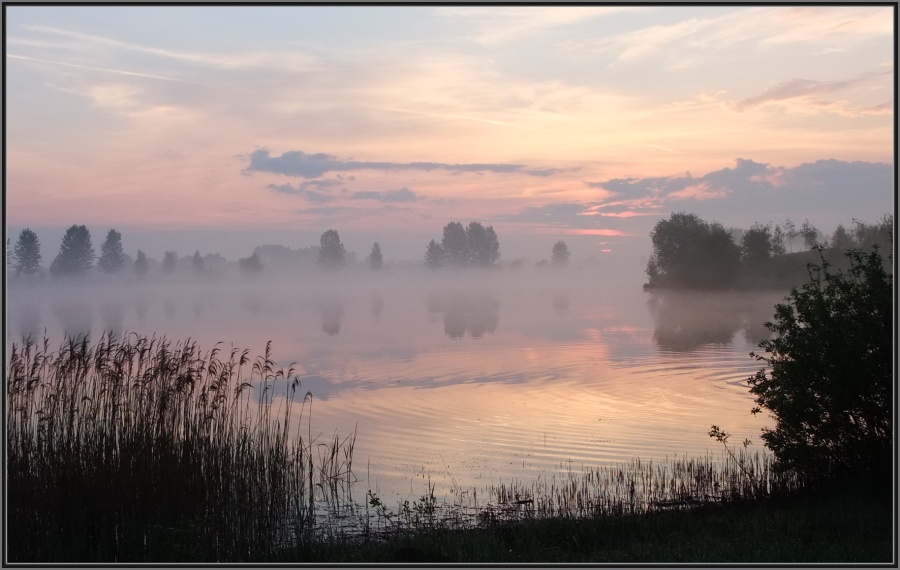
{"points": [[833, 527]]}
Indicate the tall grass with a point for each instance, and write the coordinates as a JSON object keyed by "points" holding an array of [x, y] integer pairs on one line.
{"points": [[140, 449]]}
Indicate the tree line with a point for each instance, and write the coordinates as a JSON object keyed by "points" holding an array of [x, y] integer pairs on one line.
{"points": [[691, 253], [474, 245]]}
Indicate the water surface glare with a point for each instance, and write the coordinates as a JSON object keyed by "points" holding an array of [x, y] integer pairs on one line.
{"points": [[467, 381]]}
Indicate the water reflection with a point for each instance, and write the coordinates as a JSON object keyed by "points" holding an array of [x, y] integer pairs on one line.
{"points": [[377, 303], [332, 314], [472, 313], [112, 314], [686, 321], [561, 303], [75, 316]]}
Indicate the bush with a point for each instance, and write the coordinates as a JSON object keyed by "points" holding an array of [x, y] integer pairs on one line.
{"points": [[829, 381]]}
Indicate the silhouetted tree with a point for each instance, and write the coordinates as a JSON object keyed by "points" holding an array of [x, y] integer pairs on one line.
{"points": [[482, 245], [790, 230], [455, 245], [112, 257], [689, 252], [375, 258], [169, 260], [250, 265], [828, 380], [560, 255], [197, 262], [76, 253], [141, 265], [26, 255], [778, 241], [868, 235], [756, 246], [331, 251], [841, 239], [434, 255], [810, 234]]}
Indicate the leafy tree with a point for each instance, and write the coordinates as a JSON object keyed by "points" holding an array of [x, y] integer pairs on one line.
{"points": [[482, 245], [76, 253], [455, 245], [691, 253], [778, 241], [112, 257], [841, 239], [790, 230], [170, 259], [434, 255], [828, 382], [26, 255], [756, 246], [375, 258], [197, 262], [869, 235], [560, 255], [331, 251], [810, 234], [250, 265], [141, 265]]}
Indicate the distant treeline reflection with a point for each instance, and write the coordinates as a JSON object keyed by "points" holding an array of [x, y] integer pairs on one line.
{"points": [[472, 313], [688, 320]]}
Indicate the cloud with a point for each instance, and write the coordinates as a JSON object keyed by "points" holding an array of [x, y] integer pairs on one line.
{"points": [[300, 164], [402, 195], [805, 89], [303, 189], [855, 189]]}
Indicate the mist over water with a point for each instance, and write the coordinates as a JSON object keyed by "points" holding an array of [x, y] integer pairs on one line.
{"points": [[464, 380]]}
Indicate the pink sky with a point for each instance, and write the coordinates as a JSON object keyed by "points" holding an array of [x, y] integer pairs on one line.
{"points": [[147, 118]]}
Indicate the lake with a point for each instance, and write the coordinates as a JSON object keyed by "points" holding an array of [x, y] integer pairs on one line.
{"points": [[462, 381]]}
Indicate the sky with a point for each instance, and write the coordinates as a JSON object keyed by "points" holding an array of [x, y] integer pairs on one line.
{"points": [[222, 128]]}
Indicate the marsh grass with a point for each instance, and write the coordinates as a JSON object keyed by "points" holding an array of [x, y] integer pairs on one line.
{"points": [[143, 449]]}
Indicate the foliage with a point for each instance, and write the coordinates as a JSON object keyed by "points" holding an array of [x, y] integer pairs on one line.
{"points": [[112, 257], [455, 245], [375, 258], [170, 259], [122, 450], [250, 265], [691, 253], [331, 251], [197, 262], [828, 382], [434, 255], [76, 253], [790, 231], [560, 255], [464, 246], [809, 234], [26, 255], [482, 244], [778, 236], [756, 246], [141, 265]]}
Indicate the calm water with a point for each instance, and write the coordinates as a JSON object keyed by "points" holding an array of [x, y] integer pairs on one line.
{"points": [[464, 381]]}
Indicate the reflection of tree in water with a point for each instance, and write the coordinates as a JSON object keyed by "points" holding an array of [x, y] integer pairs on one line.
{"points": [[332, 313], [377, 303], [251, 301], [169, 307], [76, 317], [28, 319], [112, 313], [472, 313], [141, 305], [561, 303], [688, 320]]}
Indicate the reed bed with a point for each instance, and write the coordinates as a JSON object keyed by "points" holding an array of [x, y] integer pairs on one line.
{"points": [[141, 449]]}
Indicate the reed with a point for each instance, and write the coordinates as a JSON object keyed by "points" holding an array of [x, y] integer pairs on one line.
{"points": [[141, 449]]}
